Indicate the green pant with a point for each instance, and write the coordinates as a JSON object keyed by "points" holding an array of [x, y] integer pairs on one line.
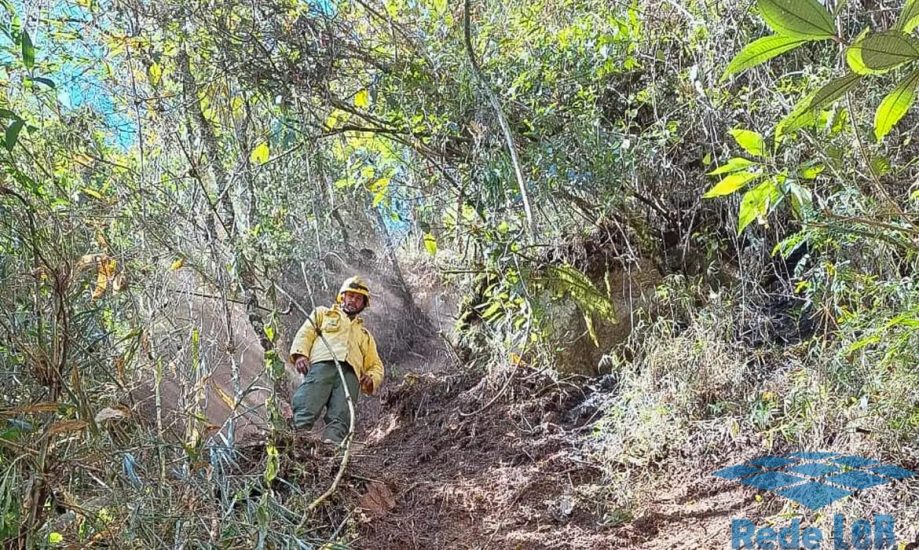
{"points": [[322, 387]]}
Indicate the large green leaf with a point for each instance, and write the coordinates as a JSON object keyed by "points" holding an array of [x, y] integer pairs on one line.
{"points": [[804, 19], [909, 16], [735, 164], [757, 203], [811, 170], [752, 142], [761, 50], [731, 184], [879, 52], [833, 90], [805, 110], [12, 134], [28, 50], [895, 105]]}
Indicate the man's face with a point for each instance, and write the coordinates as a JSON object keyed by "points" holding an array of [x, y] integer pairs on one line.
{"points": [[352, 302]]}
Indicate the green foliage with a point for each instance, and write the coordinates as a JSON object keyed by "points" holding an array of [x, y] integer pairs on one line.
{"points": [[322, 126], [735, 164], [750, 141], [895, 105], [28, 50], [877, 53], [44, 81], [568, 281], [761, 50], [909, 16], [11, 135], [795, 22], [272, 464], [9, 501], [731, 183], [430, 244], [758, 202], [804, 19], [869, 54], [805, 111], [260, 154]]}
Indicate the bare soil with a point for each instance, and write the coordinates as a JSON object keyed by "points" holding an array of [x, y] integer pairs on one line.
{"points": [[508, 476]]}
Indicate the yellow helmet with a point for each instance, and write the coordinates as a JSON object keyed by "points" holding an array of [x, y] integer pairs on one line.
{"points": [[357, 285]]}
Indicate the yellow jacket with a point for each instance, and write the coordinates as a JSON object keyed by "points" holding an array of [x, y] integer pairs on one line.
{"points": [[349, 341]]}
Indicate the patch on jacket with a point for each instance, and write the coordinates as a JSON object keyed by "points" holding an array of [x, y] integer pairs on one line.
{"points": [[331, 322]]}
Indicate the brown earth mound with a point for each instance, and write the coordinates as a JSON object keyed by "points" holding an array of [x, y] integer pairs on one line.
{"points": [[464, 477]]}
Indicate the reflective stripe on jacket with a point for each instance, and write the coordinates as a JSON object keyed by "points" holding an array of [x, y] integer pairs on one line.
{"points": [[348, 338]]}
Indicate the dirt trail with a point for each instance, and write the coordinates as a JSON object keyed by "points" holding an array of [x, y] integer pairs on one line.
{"points": [[695, 515], [498, 478], [513, 476], [507, 477]]}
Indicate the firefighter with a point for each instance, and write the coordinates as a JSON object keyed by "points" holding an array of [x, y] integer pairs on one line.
{"points": [[343, 337]]}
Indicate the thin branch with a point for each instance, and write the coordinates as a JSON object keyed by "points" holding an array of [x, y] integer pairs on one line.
{"points": [[502, 121]]}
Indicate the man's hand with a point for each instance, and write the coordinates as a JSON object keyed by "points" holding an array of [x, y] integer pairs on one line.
{"points": [[302, 364], [366, 384]]}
